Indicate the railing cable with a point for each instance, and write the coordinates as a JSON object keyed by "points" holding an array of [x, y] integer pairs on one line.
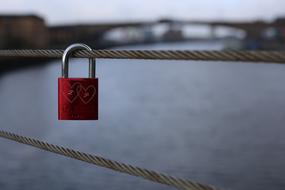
{"points": [[113, 165], [242, 56]]}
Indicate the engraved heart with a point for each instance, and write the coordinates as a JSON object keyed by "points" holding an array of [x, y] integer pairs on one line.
{"points": [[87, 94], [71, 92]]}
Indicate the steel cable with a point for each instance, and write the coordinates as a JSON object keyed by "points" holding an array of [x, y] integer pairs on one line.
{"points": [[113, 165], [242, 56]]}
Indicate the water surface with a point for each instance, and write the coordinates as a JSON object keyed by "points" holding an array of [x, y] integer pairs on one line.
{"points": [[213, 122]]}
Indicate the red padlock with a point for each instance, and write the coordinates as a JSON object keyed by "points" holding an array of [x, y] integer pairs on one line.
{"points": [[77, 97]]}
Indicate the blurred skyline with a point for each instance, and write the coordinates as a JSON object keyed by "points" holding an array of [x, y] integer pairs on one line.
{"points": [[74, 11]]}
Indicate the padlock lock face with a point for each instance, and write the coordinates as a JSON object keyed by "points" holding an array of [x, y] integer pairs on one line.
{"points": [[77, 98]]}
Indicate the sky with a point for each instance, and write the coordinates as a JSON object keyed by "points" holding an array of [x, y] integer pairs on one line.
{"points": [[75, 11]]}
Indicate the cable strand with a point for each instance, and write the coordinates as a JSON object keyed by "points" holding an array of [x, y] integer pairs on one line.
{"points": [[103, 162], [246, 56]]}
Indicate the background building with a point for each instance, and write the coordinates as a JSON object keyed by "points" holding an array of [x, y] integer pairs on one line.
{"points": [[25, 31]]}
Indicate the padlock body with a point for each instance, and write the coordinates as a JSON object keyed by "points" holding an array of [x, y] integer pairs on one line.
{"points": [[77, 98]]}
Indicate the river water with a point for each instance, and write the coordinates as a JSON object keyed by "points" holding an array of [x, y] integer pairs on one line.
{"points": [[212, 122]]}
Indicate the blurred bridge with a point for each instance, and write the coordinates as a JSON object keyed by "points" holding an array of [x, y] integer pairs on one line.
{"points": [[86, 33], [34, 33], [92, 33], [252, 29]]}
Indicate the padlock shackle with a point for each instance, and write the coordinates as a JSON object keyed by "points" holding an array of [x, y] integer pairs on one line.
{"points": [[68, 52]]}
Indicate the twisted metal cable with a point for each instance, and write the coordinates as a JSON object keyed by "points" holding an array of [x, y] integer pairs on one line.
{"points": [[243, 56], [103, 162]]}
